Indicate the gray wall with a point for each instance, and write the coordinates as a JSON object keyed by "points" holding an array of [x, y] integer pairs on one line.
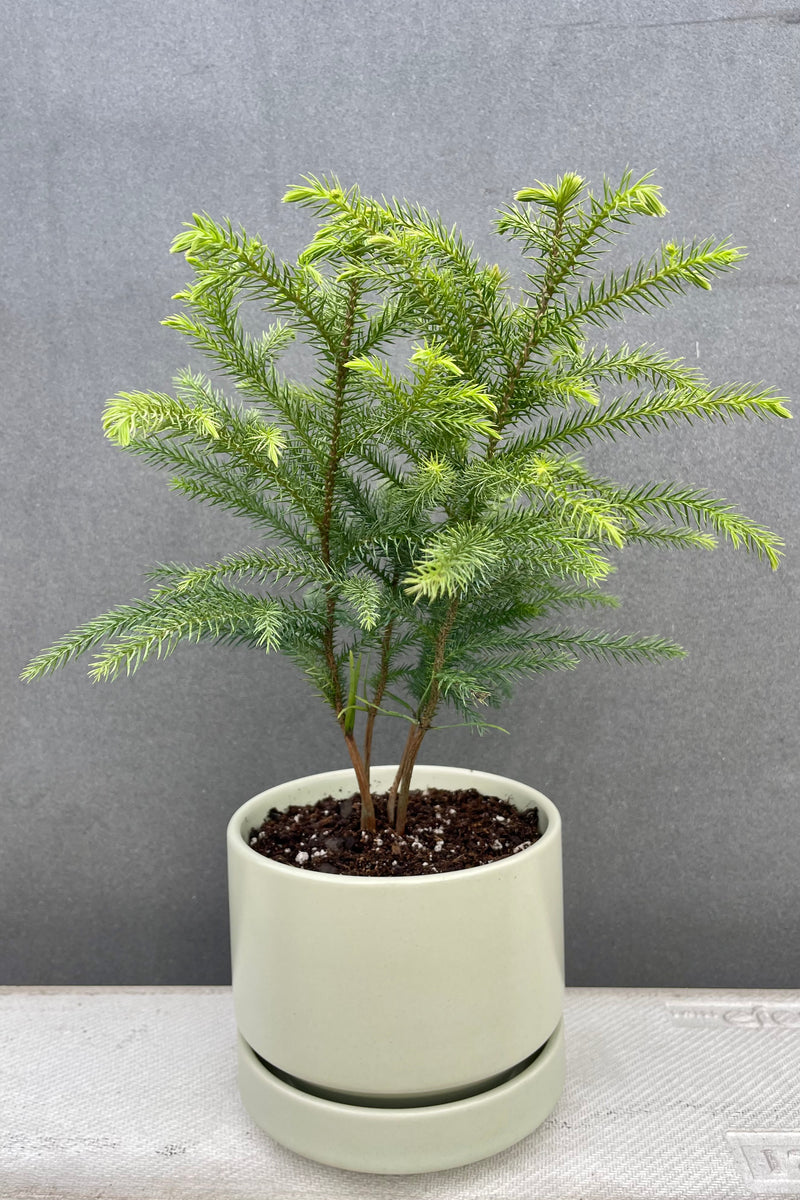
{"points": [[678, 784]]}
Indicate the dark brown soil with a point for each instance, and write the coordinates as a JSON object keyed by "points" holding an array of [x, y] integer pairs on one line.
{"points": [[445, 831]]}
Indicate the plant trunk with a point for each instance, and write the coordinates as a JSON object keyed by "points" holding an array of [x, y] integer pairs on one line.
{"points": [[405, 782], [376, 699], [365, 791], [397, 803]]}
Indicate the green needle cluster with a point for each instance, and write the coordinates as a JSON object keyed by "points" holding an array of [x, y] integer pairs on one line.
{"points": [[420, 528]]}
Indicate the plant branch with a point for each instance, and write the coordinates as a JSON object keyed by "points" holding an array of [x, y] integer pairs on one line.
{"points": [[378, 695], [398, 793], [545, 296], [340, 383]]}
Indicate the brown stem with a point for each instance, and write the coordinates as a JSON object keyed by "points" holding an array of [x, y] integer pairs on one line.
{"points": [[367, 807], [328, 636], [398, 795], [530, 342], [405, 758], [413, 745], [376, 699], [330, 657]]}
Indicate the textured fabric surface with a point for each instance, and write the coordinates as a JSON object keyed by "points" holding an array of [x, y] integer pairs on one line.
{"points": [[124, 1094]]}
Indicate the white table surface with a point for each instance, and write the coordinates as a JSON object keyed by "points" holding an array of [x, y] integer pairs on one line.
{"points": [[129, 1093]]}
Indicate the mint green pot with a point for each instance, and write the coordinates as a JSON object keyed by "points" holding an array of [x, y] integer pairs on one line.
{"points": [[398, 1025]]}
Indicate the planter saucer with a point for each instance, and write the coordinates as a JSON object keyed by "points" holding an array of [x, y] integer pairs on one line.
{"points": [[395, 1140]]}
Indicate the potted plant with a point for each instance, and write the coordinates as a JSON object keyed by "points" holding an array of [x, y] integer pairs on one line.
{"points": [[423, 516]]}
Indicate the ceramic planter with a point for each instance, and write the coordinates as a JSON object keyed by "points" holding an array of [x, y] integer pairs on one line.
{"points": [[397, 1025]]}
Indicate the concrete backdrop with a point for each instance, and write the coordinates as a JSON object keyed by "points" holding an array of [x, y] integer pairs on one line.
{"points": [[678, 784]]}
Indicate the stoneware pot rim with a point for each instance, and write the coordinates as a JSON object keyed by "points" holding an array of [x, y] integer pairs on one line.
{"points": [[237, 836]]}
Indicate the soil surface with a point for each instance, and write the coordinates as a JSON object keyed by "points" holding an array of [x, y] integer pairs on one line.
{"points": [[445, 831]]}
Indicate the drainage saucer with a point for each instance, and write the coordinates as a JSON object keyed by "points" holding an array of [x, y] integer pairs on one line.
{"points": [[395, 1141]]}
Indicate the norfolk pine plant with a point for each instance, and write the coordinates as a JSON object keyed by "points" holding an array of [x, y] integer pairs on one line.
{"points": [[423, 528]]}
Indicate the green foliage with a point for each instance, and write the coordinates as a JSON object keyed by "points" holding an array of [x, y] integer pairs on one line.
{"points": [[418, 524]]}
